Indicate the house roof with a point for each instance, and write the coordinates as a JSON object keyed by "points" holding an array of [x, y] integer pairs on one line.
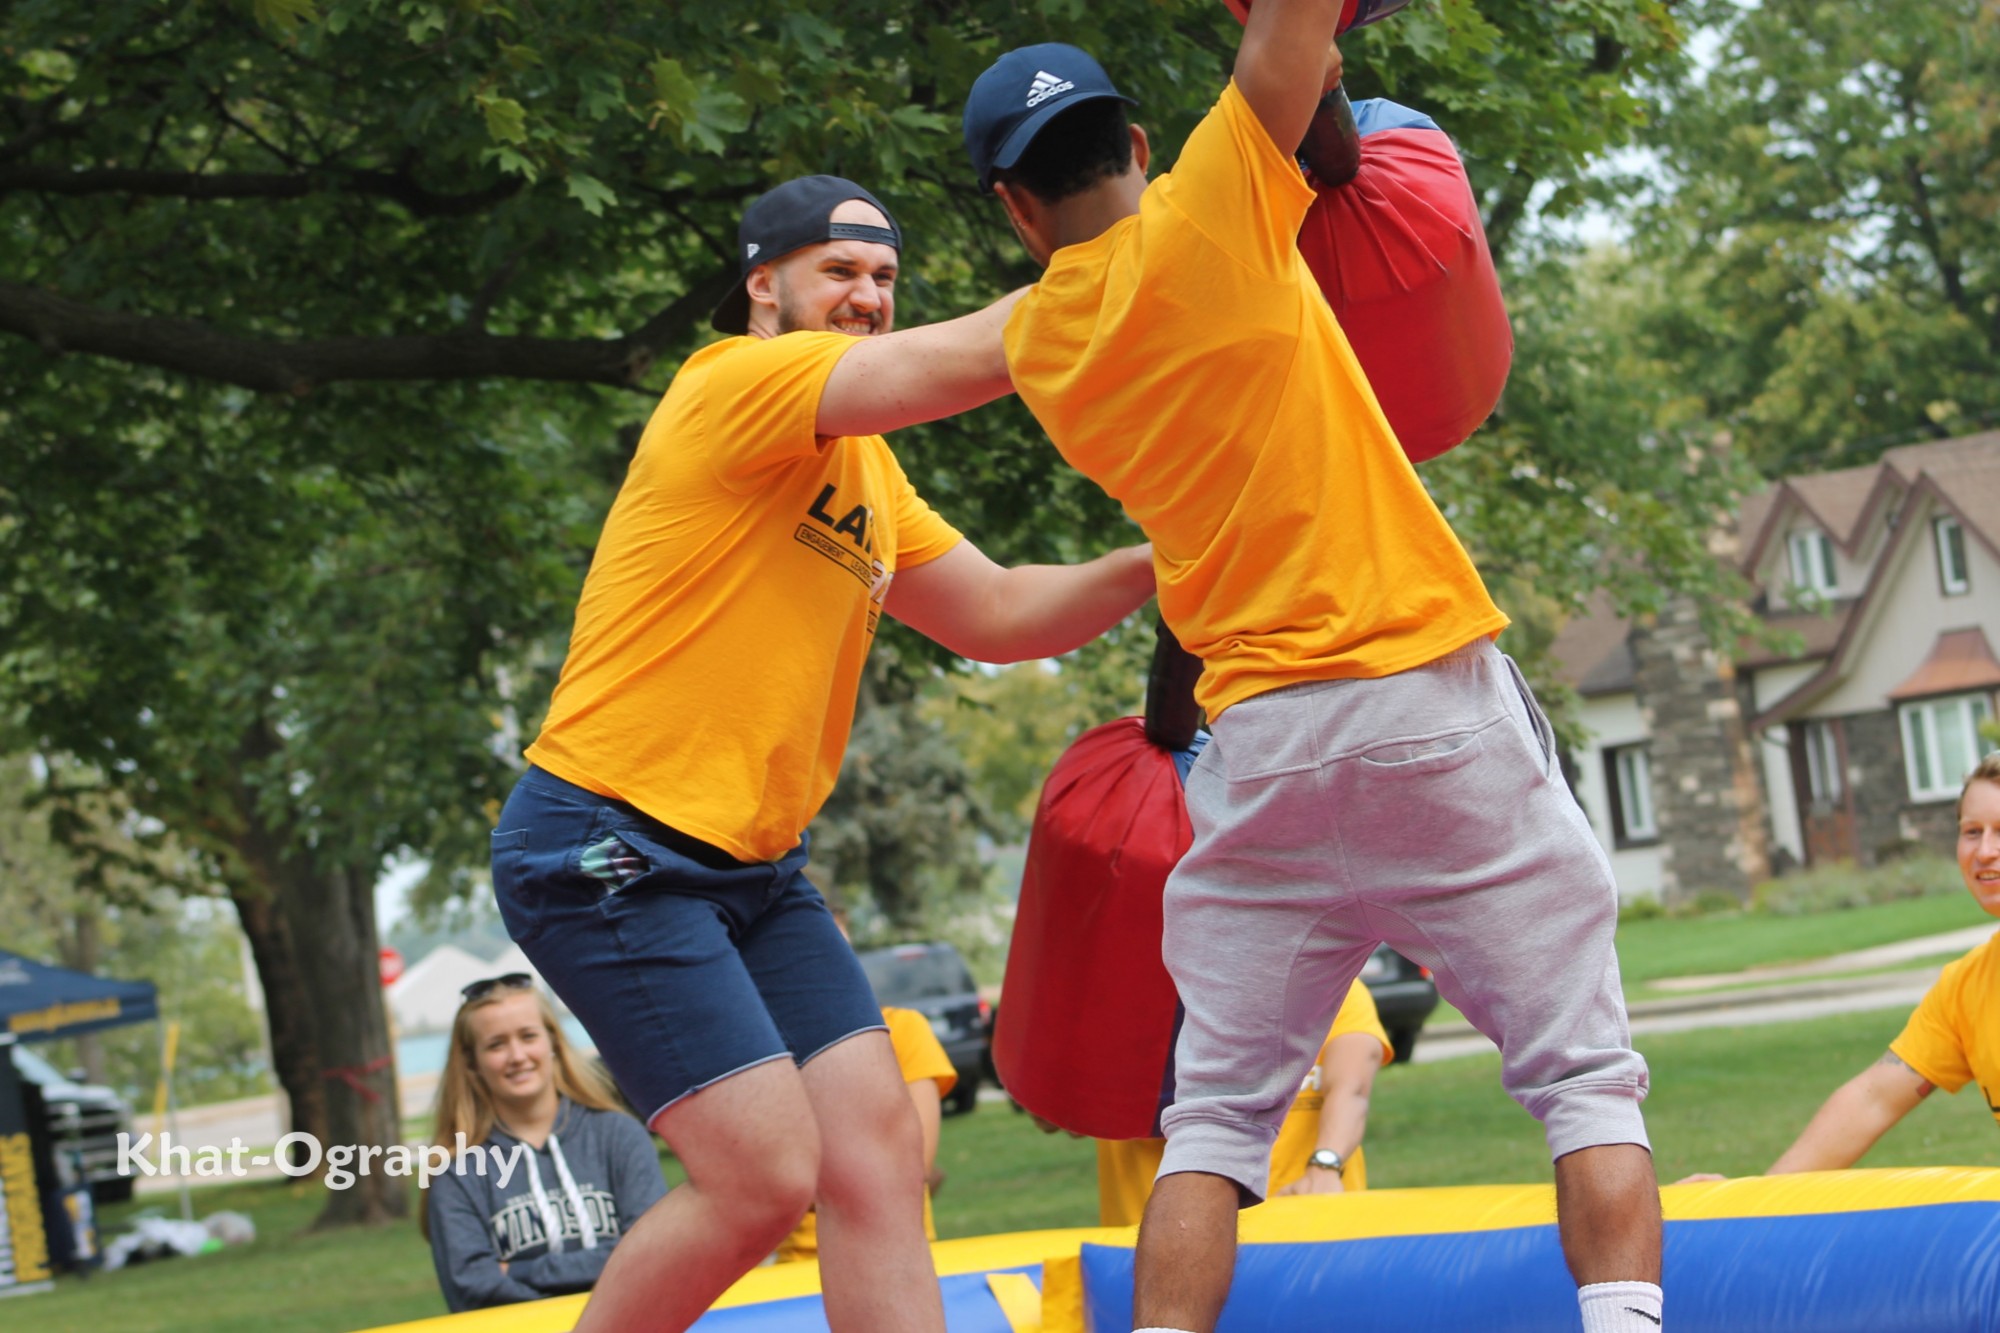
{"points": [[1961, 659], [1818, 633], [1910, 460], [1593, 651], [1837, 499], [1951, 485]]}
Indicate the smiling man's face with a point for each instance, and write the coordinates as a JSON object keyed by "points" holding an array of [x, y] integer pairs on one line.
{"points": [[1979, 843], [838, 286]]}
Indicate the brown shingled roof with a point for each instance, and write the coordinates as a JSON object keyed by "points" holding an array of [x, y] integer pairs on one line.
{"points": [[1591, 652], [1751, 516], [1961, 659], [1818, 632], [1972, 488], [1837, 499], [1977, 450]]}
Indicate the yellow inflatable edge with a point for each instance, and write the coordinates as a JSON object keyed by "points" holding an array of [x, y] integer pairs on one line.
{"points": [[1367, 1214]]}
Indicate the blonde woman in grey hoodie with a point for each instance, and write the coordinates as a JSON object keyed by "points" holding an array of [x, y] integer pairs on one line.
{"points": [[548, 1171]]}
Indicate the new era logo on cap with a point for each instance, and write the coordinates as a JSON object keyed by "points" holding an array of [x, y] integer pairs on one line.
{"points": [[752, 249], [1045, 86]]}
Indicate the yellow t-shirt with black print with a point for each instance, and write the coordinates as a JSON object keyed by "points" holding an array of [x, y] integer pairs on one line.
{"points": [[1126, 1167], [1186, 362], [719, 642], [1953, 1038], [920, 1056]]}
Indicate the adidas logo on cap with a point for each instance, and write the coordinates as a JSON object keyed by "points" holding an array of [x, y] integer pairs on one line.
{"points": [[1045, 86]]}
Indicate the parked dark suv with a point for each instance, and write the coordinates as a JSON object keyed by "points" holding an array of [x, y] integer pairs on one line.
{"points": [[84, 1117], [933, 980], [1404, 995]]}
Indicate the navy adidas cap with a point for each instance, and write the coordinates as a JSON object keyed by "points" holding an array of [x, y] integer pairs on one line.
{"points": [[1023, 91], [792, 216]]}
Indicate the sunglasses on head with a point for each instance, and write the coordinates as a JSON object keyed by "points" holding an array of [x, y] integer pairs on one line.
{"points": [[479, 990]]}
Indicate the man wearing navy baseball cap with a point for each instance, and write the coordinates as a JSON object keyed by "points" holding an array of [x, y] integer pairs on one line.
{"points": [[651, 862], [1378, 769]]}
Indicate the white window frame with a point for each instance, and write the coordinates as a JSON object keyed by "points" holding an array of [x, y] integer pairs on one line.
{"points": [[1825, 783], [1631, 769], [1933, 726], [1811, 554], [1954, 570]]}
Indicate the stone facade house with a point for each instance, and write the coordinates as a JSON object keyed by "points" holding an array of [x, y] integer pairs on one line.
{"points": [[1710, 771]]}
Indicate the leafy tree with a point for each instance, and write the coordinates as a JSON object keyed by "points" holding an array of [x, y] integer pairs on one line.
{"points": [[1828, 225], [327, 322], [94, 895], [901, 827]]}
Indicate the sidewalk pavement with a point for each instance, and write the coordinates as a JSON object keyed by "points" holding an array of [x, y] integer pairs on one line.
{"points": [[1882, 955], [1782, 993], [1761, 995], [256, 1123]]}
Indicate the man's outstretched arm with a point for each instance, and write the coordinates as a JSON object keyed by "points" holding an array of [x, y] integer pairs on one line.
{"points": [[1859, 1112], [990, 614], [1287, 60], [914, 375]]}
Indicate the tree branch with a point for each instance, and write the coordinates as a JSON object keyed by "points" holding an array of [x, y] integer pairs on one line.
{"points": [[298, 366], [397, 186], [1508, 211]]}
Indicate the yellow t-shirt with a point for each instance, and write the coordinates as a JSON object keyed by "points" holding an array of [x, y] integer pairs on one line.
{"points": [[1953, 1037], [719, 643], [1126, 1168], [1186, 362], [920, 1056]]}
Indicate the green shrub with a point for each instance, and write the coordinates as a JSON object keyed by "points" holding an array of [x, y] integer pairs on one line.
{"points": [[1711, 902], [1648, 908], [1833, 888]]}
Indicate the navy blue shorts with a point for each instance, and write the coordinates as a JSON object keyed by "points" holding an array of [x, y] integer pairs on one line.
{"points": [[683, 970]]}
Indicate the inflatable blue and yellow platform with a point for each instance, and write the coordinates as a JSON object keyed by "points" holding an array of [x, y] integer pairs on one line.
{"points": [[1895, 1251]]}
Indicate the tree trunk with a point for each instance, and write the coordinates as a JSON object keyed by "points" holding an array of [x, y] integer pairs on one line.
{"points": [[288, 1008], [336, 910], [83, 949], [312, 933]]}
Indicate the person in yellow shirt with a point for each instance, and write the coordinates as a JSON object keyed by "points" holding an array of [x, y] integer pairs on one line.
{"points": [[927, 1072], [1379, 770], [651, 860], [1953, 1037], [1318, 1150]]}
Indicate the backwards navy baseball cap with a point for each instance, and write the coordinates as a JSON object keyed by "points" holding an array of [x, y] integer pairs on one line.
{"points": [[792, 216], [1023, 91]]}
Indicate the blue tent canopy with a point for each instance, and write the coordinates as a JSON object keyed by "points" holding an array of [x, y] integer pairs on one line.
{"points": [[40, 1002]]}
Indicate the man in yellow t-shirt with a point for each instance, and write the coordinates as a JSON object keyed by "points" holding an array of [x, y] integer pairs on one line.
{"points": [[927, 1071], [1379, 769], [1951, 1040], [1318, 1150], [651, 860]]}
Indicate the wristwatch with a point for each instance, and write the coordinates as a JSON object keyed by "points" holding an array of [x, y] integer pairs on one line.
{"points": [[1326, 1159]]}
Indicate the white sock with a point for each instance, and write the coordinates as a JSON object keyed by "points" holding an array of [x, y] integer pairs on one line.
{"points": [[1620, 1307]]}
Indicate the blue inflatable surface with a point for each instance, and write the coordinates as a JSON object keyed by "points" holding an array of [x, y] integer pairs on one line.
{"points": [[1884, 1251], [1933, 1269]]}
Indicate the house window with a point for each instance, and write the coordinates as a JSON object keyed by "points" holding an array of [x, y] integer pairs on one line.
{"points": [[1941, 743], [1812, 561], [1628, 776], [1954, 576], [1823, 778]]}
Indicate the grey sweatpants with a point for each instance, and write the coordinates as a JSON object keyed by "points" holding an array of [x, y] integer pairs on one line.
{"points": [[1425, 809]]}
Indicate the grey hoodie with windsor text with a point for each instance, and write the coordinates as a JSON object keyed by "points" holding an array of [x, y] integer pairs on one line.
{"points": [[486, 1210]]}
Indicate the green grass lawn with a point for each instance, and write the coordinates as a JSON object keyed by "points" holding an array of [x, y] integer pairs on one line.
{"points": [[1729, 942], [1727, 1099], [1661, 947]]}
